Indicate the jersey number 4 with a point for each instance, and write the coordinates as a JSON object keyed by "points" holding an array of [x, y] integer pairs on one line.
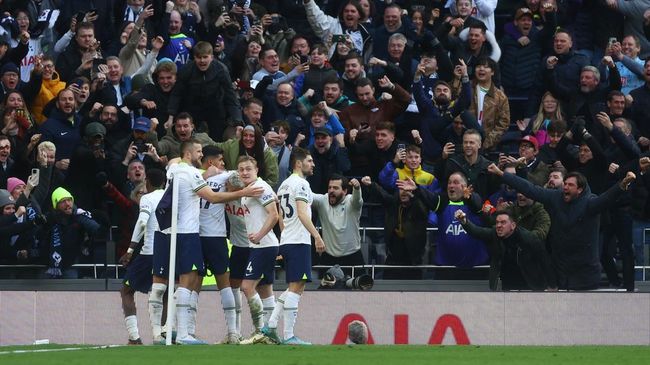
{"points": [[287, 209]]}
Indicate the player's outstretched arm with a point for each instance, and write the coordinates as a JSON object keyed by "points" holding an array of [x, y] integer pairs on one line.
{"points": [[222, 197]]}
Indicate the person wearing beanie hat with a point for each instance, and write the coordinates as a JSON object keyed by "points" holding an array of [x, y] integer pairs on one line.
{"points": [[15, 187], [10, 79], [65, 234], [6, 198]]}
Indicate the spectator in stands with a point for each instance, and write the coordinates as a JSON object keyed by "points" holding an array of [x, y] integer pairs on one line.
{"points": [[404, 229], [77, 59], [518, 257], [153, 98], [583, 100], [575, 222], [332, 95], [322, 116], [522, 50], [17, 230], [178, 45], [376, 152], [50, 87], [392, 24], [251, 144], [550, 110], [115, 87], [182, 130], [348, 22], [628, 63], [270, 66], [473, 44], [437, 113], [65, 235], [284, 106], [489, 104], [282, 151], [407, 164], [319, 71], [398, 65], [548, 152], [339, 214], [252, 112], [354, 71], [639, 111], [634, 20], [134, 52], [204, 90], [556, 178], [454, 246], [298, 47], [50, 177], [19, 126], [472, 165], [330, 157], [364, 115], [140, 144], [536, 170], [63, 128], [10, 80]]}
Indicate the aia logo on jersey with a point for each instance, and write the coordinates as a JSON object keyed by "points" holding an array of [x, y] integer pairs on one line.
{"points": [[235, 210]]}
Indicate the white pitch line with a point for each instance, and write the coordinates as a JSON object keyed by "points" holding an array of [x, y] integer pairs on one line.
{"points": [[56, 350]]}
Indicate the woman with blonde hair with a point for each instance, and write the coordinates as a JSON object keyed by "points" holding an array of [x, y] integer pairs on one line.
{"points": [[549, 111]]}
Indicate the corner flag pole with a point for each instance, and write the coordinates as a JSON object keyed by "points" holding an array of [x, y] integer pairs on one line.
{"points": [[171, 306]]}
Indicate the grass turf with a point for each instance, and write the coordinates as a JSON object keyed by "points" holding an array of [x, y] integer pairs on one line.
{"points": [[357, 355]]}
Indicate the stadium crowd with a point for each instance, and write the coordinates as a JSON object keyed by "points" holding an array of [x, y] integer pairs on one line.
{"points": [[431, 113]]}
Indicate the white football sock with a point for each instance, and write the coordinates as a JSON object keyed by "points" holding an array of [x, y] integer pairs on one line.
{"points": [[278, 310], [156, 307], [257, 315], [194, 304], [236, 293], [132, 327], [182, 312], [228, 304], [268, 304], [290, 313]]}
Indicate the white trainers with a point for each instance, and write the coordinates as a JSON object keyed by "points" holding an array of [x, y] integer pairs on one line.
{"points": [[189, 340]]}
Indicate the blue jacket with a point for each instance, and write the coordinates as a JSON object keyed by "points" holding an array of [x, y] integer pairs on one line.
{"points": [[65, 135]]}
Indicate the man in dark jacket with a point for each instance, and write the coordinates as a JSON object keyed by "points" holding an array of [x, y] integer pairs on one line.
{"points": [[204, 90], [575, 223], [63, 128], [77, 59], [153, 98], [517, 256], [522, 50], [329, 158]]}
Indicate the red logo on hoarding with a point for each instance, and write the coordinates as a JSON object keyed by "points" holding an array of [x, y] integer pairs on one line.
{"points": [[401, 329]]}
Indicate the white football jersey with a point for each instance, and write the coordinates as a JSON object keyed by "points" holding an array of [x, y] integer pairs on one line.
{"points": [[148, 204], [189, 181], [292, 189], [212, 218], [235, 212], [256, 214]]}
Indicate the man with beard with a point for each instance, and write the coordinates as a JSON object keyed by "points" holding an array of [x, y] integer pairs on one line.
{"points": [[438, 113], [354, 71], [116, 128], [332, 95], [190, 261], [339, 214], [152, 98], [63, 128], [556, 178], [575, 223], [330, 157]]}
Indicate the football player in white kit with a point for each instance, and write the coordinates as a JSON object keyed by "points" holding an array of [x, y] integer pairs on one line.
{"points": [[261, 215], [190, 263], [295, 197]]}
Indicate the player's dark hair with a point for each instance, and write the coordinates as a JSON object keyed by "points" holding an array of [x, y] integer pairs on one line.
{"points": [[156, 178], [297, 154]]}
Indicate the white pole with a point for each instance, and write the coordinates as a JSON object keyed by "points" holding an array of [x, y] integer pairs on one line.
{"points": [[171, 306]]}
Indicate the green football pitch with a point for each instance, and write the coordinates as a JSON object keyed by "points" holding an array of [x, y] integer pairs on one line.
{"points": [[356, 355]]}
